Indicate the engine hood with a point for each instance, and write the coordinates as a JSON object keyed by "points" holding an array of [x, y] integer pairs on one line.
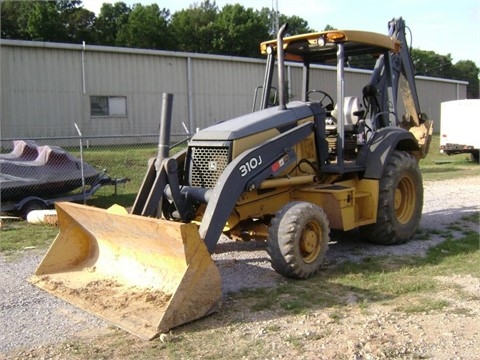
{"points": [[259, 121]]}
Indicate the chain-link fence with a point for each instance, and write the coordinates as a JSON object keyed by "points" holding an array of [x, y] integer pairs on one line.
{"points": [[99, 171]]}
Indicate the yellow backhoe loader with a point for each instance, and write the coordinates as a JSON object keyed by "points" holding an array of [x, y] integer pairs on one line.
{"points": [[285, 174]]}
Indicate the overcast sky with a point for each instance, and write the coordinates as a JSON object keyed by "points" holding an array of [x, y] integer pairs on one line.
{"points": [[445, 27]]}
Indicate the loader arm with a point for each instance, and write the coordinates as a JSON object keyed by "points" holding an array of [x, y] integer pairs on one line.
{"points": [[240, 176]]}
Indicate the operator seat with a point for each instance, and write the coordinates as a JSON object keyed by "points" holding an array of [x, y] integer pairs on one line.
{"points": [[352, 110]]}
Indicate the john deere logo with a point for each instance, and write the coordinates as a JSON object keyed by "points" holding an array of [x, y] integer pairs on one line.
{"points": [[212, 165]]}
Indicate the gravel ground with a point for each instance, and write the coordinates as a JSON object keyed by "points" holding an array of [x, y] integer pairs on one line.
{"points": [[31, 317]]}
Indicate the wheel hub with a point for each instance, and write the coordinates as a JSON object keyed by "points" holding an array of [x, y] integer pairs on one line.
{"points": [[405, 200], [309, 241]]}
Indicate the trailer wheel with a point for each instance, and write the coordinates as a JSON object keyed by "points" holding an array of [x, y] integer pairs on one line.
{"points": [[475, 156], [298, 240], [400, 202], [32, 205]]}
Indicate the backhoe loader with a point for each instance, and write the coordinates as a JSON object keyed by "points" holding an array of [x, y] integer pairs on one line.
{"points": [[285, 174]]}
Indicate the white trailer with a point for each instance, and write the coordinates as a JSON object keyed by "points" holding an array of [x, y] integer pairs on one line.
{"points": [[460, 127]]}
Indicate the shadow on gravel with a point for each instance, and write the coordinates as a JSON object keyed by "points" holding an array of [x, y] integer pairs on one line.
{"points": [[445, 217]]}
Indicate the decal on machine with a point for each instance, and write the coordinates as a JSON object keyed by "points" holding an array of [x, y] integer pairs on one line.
{"points": [[250, 165], [277, 165]]}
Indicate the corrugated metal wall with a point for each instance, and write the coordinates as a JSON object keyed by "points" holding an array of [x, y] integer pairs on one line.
{"points": [[46, 88]]}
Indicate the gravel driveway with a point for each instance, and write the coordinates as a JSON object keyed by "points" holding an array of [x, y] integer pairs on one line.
{"points": [[31, 318]]}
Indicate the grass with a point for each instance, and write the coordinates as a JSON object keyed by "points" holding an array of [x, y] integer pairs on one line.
{"points": [[130, 161], [437, 166], [382, 279], [20, 235], [121, 161]]}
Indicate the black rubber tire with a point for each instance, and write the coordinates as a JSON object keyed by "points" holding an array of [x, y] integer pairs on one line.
{"points": [[474, 156], [400, 202], [298, 240], [32, 205]]}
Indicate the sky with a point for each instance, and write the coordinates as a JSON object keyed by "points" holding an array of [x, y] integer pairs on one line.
{"points": [[445, 27]]}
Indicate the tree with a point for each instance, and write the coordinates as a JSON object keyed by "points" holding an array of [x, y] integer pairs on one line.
{"points": [[468, 71], [194, 28], [239, 31], [45, 22], [272, 18], [61, 20], [79, 25], [429, 63], [14, 20], [296, 25], [147, 27], [112, 17]]}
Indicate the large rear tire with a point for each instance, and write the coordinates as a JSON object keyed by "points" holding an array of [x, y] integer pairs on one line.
{"points": [[298, 240], [400, 202]]}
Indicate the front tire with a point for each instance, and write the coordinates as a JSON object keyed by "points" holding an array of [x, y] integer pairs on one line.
{"points": [[298, 240], [400, 202]]}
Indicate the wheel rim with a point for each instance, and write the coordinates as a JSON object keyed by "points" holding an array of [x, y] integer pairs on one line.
{"points": [[310, 242], [405, 200]]}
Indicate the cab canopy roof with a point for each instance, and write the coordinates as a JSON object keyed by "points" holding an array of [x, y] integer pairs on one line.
{"points": [[321, 47]]}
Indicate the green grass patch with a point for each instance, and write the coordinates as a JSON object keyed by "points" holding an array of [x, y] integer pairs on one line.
{"points": [[21, 235], [382, 279], [437, 166], [423, 305]]}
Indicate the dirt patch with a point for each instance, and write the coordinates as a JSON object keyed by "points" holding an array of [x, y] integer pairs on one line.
{"points": [[106, 294]]}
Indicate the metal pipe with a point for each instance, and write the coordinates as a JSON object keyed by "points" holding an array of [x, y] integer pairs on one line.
{"points": [[340, 104], [84, 86], [191, 110], [267, 80], [280, 182], [165, 125], [281, 67], [81, 163]]}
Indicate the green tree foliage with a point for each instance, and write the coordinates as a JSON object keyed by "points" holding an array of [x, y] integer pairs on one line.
{"points": [[111, 18], [194, 28], [468, 71], [239, 31], [44, 22], [80, 24], [274, 19], [296, 25], [203, 27], [14, 20], [429, 63], [147, 27], [60, 21]]}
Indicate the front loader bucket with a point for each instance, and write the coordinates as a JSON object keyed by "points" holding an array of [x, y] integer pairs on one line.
{"points": [[142, 274]]}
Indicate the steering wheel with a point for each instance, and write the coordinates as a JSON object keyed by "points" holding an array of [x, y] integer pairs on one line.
{"points": [[329, 106]]}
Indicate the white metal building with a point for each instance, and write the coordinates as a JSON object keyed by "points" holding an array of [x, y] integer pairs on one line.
{"points": [[46, 88]]}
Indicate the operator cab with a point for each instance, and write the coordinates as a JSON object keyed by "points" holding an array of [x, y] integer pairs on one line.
{"points": [[351, 122]]}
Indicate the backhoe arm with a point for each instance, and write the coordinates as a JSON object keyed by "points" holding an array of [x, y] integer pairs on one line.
{"points": [[396, 72]]}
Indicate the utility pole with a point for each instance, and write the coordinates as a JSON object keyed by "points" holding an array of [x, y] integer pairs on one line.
{"points": [[275, 20]]}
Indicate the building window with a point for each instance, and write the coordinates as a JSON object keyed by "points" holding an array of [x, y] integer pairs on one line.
{"points": [[108, 105]]}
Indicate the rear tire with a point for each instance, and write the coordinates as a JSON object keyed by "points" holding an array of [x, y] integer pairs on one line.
{"points": [[298, 240], [400, 202]]}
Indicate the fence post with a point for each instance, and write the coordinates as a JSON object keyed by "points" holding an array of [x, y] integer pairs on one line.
{"points": [[81, 163]]}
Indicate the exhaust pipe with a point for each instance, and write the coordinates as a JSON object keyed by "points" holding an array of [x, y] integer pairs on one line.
{"points": [[151, 191], [165, 125], [281, 67]]}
